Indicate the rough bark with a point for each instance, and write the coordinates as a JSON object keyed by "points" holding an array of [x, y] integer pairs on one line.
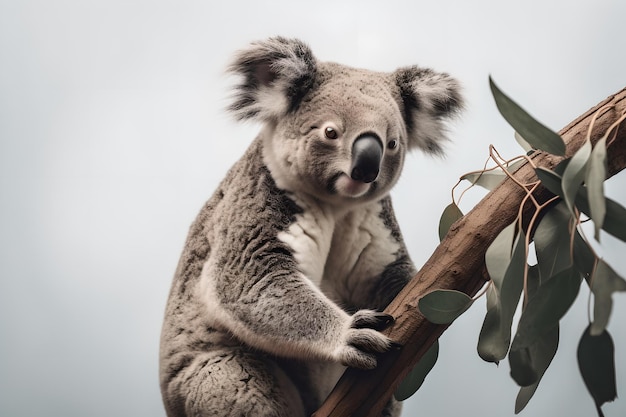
{"points": [[458, 263]]}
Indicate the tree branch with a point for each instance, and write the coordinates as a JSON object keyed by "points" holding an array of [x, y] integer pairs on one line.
{"points": [[459, 263]]}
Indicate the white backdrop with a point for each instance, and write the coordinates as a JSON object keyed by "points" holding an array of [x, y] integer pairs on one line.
{"points": [[112, 135]]}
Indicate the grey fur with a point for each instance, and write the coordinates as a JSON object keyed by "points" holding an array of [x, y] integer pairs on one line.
{"points": [[288, 265]]}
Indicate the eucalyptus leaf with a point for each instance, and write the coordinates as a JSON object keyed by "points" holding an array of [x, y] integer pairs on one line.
{"points": [[414, 380], [534, 279], [596, 361], [491, 345], [507, 276], [584, 258], [533, 132], [515, 165], [546, 307], [523, 143], [450, 214], [552, 241], [550, 180], [615, 218], [605, 282], [488, 179], [559, 169], [444, 306], [491, 179], [521, 365], [595, 176], [498, 254], [513, 284], [574, 174], [541, 352]]}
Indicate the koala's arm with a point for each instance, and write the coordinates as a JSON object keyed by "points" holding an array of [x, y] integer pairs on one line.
{"points": [[277, 310], [252, 288]]}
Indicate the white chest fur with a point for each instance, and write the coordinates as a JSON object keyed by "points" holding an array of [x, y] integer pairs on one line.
{"points": [[340, 252], [310, 237]]}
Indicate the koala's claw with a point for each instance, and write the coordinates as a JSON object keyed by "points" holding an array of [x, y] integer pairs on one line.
{"points": [[396, 345], [369, 319], [364, 340]]}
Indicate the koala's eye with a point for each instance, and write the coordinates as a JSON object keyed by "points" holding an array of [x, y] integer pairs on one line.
{"points": [[392, 144], [331, 133]]}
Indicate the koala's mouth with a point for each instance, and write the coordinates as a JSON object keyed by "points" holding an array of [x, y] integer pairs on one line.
{"points": [[342, 184]]}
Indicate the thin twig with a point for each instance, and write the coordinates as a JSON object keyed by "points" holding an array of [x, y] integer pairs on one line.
{"points": [[613, 126]]}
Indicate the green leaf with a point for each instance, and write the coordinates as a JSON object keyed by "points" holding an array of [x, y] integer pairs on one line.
{"points": [[492, 342], [574, 175], [491, 345], [414, 380], [522, 370], [523, 143], [513, 283], [534, 279], [498, 254], [584, 258], [596, 361], [444, 306], [541, 353], [550, 180], [615, 218], [525, 363], [552, 241], [559, 169], [546, 307], [504, 294], [533, 132], [450, 214], [605, 282], [491, 179], [488, 179], [595, 176]]}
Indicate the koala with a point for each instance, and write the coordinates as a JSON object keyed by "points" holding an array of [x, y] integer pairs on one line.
{"points": [[288, 267]]}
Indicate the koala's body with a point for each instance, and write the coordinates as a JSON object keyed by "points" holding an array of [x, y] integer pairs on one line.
{"points": [[289, 265]]}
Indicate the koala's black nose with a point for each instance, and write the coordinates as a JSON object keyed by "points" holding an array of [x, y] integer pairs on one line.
{"points": [[367, 153]]}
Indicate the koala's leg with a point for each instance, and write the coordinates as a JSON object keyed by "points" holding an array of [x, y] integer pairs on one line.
{"points": [[232, 382]]}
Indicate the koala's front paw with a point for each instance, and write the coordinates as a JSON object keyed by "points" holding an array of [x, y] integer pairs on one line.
{"points": [[363, 339]]}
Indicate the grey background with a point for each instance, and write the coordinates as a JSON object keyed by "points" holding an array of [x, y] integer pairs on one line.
{"points": [[112, 135]]}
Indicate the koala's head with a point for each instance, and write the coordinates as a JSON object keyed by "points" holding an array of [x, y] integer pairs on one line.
{"points": [[339, 133]]}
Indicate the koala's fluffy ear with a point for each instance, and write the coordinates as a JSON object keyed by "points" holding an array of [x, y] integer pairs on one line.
{"points": [[429, 98], [275, 76]]}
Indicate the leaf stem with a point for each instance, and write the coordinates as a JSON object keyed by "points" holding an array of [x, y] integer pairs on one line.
{"points": [[613, 126]]}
